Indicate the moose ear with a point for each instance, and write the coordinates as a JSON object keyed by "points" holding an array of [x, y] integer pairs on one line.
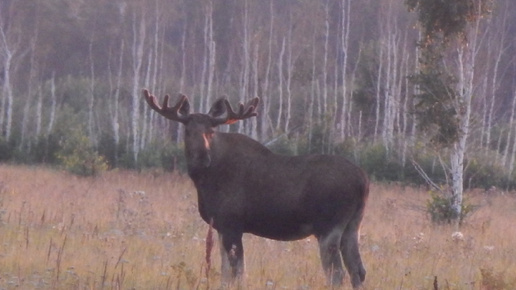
{"points": [[184, 110], [218, 108]]}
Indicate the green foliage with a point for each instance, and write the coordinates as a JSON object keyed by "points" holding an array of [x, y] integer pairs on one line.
{"points": [[317, 143], [450, 17], [379, 164], [483, 175], [45, 149], [440, 209], [283, 145], [441, 21], [79, 157], [168, 156], [434, 106], [6, 150]]}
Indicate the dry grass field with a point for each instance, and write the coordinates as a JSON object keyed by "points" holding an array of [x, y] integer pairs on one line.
{"points": [[128, 230]]}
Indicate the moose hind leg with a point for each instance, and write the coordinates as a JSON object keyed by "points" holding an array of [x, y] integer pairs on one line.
{"points": [[331, 259], [232, 255], [351, 255]]}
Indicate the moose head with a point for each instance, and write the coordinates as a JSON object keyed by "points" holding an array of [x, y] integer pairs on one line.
{"points": [[199, 127], [242, 187]]}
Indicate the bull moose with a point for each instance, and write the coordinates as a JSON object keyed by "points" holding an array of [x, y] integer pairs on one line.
{"points": [[242, 187]]}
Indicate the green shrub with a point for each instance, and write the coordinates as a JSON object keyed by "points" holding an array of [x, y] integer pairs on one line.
{"points": [[441, 210], [166, 155], [6, 150], [283, 145], [79, 157], [380, 164], [483, 174]]}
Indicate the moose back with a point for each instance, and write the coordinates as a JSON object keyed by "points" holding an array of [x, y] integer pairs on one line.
{"points": [[243, 187]]}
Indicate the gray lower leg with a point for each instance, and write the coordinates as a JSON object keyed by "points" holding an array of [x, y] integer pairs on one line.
{"points": [[352, 259], [232, 258], [225, 267], [329, 249]]}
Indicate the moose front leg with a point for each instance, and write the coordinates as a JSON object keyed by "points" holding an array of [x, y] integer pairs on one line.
{"points": [[232, 255]]}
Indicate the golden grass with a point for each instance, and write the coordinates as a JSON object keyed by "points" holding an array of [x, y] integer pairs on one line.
{"points": [[125, 230]]}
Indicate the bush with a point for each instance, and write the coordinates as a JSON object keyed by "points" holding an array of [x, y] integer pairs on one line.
{"points": [[283, 145], [168, 156], [6, 150], [78, 156], [381, 165], [484, 174], [441, 210]]}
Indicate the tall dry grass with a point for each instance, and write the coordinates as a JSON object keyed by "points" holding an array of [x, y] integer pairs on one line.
{"points": [[127, 230]]}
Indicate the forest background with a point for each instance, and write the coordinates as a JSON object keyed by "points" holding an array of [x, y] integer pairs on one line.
{"points": [[333, 77]]}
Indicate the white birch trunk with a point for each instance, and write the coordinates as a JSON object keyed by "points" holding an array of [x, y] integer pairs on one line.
{"points": [[266, 122], [244, 77], [91, 99], [513, 129], [492, 95], [39, 111], [311, 104], [466, 64], [206, 57], [280, 85], [253, 121], [7, 91], [183, 60], [137, 57], [387, 93], [325, 62], [145, 123], [405, 111], [211, 60], [349, 130], [345, 26], [32, 76], [415, 92], [289, 81], [53, 105], [378, 90], [115, 99]]}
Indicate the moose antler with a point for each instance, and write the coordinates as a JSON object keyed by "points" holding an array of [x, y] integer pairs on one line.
{"points": [[172, 113], [244, 111]]}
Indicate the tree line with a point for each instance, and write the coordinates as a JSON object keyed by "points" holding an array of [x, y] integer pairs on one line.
{"points": [[334, 76]]}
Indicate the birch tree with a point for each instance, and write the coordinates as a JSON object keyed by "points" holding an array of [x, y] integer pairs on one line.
{"points": [[31, 85], [114, 104], [512, 129], [345, 30], [53, 105], [280, 85], [266, 122], [290, 68], [246, 59], [8, 48], [91, 100], [137, 49], [443, 102]]}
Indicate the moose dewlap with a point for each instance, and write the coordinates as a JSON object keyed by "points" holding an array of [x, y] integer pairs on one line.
{"points": [[243, 187]]}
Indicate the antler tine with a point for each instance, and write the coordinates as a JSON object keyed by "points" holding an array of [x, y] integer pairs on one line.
{"points": [[151, 100], [171, 113], [243, 112]]}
